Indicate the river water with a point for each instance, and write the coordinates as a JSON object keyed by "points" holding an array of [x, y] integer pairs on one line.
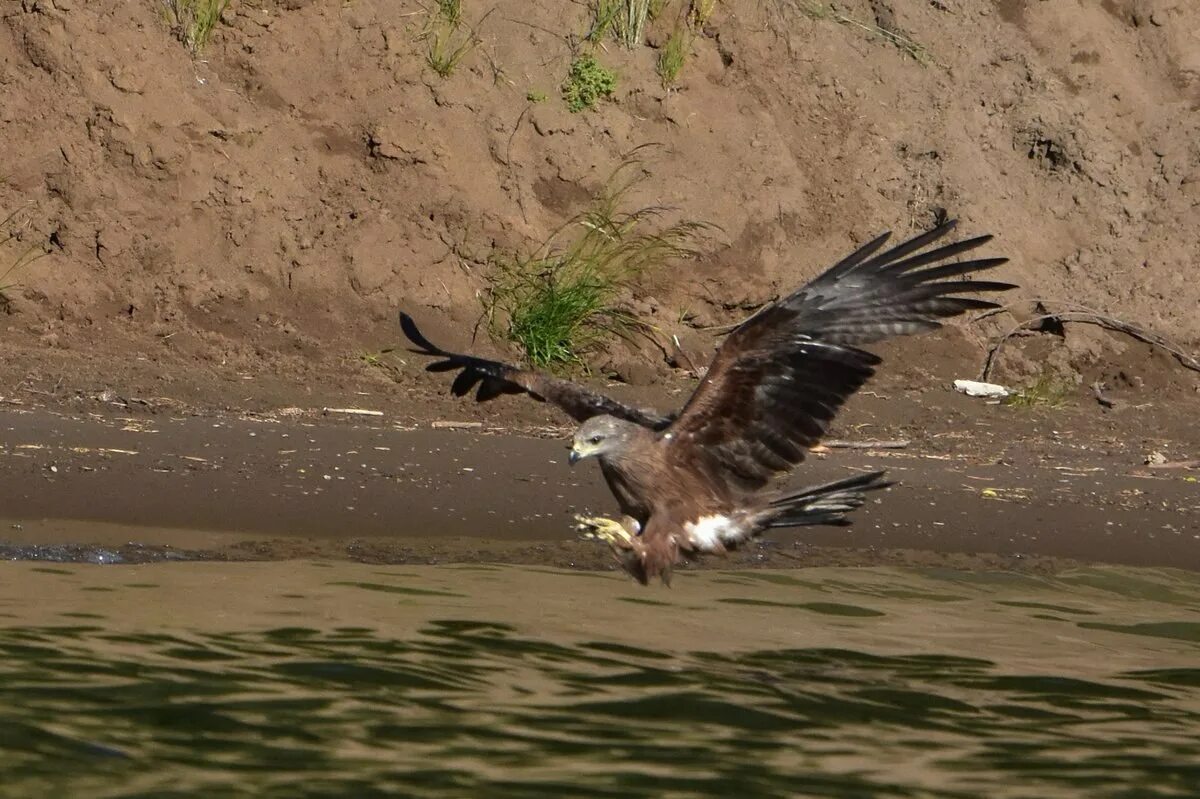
{"points": [[297, 679]]}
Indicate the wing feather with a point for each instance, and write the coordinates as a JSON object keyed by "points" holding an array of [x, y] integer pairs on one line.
{"points": [[779, 378], [495, 379]]}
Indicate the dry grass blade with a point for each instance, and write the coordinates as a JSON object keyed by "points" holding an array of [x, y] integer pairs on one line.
{"points": [[11, 230], [815, 9]]}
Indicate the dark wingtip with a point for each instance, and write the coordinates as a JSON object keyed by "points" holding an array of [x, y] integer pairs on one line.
{"points": [[875, 481], [414, 335], [992, 285]]}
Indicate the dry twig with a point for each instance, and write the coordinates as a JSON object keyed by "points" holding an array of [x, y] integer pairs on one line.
{"points": [[837, 443]]}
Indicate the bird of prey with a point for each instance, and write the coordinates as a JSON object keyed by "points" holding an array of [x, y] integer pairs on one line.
{"points": [[699, 481]]}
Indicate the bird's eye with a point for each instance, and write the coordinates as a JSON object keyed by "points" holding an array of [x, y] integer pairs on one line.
{"points": [[596, 439]]}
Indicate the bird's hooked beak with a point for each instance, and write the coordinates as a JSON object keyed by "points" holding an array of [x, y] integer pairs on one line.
{"points": [[573, 457]]}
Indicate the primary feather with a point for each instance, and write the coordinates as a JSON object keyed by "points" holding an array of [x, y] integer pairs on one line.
{"points": [[782, 375], [495, 378]]}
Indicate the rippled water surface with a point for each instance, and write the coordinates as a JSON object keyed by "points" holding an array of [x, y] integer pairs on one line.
{"points": [[318, 680]]}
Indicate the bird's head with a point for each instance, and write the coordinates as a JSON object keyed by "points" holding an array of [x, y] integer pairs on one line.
{"points": [[598, 436]]}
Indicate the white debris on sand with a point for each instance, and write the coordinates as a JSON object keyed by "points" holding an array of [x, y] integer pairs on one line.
{"points": [[973, 388]]}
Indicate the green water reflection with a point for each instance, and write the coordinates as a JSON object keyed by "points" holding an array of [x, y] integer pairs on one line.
{"points": [[487, 709]]}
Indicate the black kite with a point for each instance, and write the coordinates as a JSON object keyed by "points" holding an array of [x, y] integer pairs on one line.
{"points": [[694, 482]]}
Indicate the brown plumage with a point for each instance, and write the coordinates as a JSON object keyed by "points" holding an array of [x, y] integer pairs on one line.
{"points": [[694, 482]]}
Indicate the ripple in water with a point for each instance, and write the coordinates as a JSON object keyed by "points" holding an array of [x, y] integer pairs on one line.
{"points": [[470, 707]]}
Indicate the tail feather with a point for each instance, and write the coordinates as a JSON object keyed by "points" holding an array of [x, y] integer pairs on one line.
{"points": [[823, 504]]}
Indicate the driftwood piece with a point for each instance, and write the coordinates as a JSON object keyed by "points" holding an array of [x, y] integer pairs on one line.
{"points": [[1175, 465], [837, 443], [1086, 316], [353, 411]]}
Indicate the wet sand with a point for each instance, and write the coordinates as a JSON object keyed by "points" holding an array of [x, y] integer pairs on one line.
{"points": [[134, 488]]}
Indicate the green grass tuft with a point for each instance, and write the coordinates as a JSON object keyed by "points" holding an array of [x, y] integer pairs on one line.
{"points": [[604, 13], [535, 96], [561, 302], [194, 20], [450, 11], [449, 39], [587, 81], [673, 55], [1048, 391], [384, 360]]}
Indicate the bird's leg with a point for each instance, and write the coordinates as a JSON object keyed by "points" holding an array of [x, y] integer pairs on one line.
{"points": [[604, 529]]}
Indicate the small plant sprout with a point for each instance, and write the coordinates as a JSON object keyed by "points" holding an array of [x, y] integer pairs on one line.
{"points": [[673, 55], [587, 81], [535, 96], [194, 20], [449, 39], [384, 360], [563, 301]]}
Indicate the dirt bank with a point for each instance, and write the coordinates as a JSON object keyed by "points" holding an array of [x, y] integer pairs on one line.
{"points": [[238, 228], [230, 235]]}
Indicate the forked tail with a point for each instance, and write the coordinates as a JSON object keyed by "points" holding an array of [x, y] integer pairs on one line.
{"points": [[823, 504]]}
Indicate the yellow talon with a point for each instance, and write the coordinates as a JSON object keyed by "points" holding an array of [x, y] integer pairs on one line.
{"points": [[600, 528]]}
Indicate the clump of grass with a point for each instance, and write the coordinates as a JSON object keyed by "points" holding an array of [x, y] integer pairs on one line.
{"points": [[587, 81], [604, 12], [1048, 391], [448, 38], [450, 10], [535, 96], [673, 55], [562, 301], [625, 19], [11, 266], [194, 20]]}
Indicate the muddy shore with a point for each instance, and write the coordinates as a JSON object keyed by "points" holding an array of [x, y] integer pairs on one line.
{"points": [[986, 487]]}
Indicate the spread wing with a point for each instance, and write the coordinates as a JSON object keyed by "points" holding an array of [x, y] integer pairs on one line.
{"points": [[781, 376], [495, 378]]}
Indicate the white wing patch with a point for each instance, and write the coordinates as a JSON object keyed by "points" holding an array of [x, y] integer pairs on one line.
{"points": [[709, 533]]}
